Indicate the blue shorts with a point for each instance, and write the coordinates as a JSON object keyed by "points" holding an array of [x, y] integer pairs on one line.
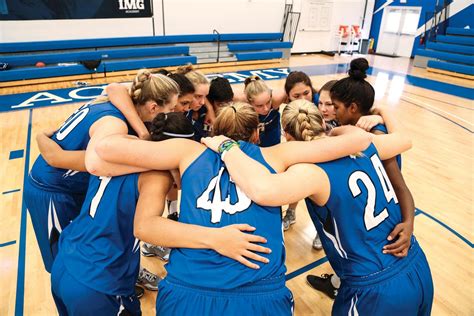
{"points": [[50, 213], [405, 289], [74, 298], [268, 297]]}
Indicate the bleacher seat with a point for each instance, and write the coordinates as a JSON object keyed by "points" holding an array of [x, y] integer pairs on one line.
{"points": [[127, 53], [457, 58], [462, 69]]}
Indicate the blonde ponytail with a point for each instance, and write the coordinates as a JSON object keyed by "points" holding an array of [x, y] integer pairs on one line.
{"points": [[238, 121]]}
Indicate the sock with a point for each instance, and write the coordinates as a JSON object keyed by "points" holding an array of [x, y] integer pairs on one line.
{"points": [[335, 281], [172, 206]]}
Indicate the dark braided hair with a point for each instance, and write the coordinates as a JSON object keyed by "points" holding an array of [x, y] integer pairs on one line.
{"points": [[170, 125]]}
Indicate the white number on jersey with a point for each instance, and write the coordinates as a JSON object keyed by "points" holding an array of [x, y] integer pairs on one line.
{"points": [[217, 205], [370, 219], [104, 181], [72, 122]]}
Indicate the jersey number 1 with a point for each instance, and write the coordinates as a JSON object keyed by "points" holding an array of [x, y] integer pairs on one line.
{"points": [[370, 219], [104, 181]]}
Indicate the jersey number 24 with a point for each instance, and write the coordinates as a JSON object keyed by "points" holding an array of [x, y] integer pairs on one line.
{"points": [[370, 219]]}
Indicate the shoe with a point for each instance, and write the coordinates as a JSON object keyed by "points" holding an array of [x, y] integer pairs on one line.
{"points": [[149, 250], [289, 219], [323, 284], [148, 280], [139, 291], [173, 216], [317, 244]]}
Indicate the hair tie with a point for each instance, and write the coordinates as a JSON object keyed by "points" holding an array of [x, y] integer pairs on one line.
{"points": [[166, 116], [303, 111], [179, 135], [233, 108]]}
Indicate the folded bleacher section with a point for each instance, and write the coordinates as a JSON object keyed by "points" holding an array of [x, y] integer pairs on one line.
{"points": [[452, 54], [111, 55]]}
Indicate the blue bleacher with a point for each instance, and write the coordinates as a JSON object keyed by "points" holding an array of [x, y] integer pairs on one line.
{"points": [[460, 49], [128, 41], [44, 72], [258, 55], [463, 69], [457, 58], [55, 71], [453, 53], [50, 58], [459, 31], [234, 47], [125, 53], [461, 40], [148, 63]]}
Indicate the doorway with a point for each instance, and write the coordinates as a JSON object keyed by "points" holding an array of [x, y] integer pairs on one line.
{"points": [[398, 31]]}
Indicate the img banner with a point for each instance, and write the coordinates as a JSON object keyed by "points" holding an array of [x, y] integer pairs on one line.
{"points": [[73, 9]]}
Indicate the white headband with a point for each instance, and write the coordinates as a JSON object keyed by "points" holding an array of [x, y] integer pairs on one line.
{"points": [[178, 135]]}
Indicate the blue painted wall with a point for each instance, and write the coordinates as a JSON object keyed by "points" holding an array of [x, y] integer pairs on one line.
{"points": [[461, 19]]}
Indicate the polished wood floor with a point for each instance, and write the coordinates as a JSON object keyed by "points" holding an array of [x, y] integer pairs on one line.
{"points": [[438, 170]]}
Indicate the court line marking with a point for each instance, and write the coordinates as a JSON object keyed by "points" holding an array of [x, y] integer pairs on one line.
{"points": [[306, 268], [20, 279], [11, 191], [324, 259], [429, 110], [441, 101], [15, 154], [470, 244], [435, 108], [8, 243]]}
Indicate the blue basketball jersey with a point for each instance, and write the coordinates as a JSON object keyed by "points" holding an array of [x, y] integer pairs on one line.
{"points": [[315, 98], [270, 128], [210, 198], [72, 135], [98, 248], [383, 129], [361, 212], [201, 129]]}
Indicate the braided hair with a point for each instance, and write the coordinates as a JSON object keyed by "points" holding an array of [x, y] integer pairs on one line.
{"points": [[170, 125], [302, 120], [156, 87]]}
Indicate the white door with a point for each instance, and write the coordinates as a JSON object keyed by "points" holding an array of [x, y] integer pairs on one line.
{"points": [[397, 34]]}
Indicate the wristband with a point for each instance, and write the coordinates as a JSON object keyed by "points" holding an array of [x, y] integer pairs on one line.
{"points": [[225, 146]]}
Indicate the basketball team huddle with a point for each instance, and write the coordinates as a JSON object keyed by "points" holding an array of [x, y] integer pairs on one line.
{"points": [[104, 177]]}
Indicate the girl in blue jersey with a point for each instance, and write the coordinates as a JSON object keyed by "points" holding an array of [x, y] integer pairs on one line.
{"points": [[220, 93], [203, 282], [97, 264], [352, 99], [200, 110], [188, 99], [354, 208], [55, 189], [267, 104], [299, 86]]}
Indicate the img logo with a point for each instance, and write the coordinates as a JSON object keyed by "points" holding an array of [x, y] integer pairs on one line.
{"points": [[131, 6]]}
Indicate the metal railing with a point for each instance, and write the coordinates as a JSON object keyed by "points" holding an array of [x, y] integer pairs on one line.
{"points": [[436, 22], [290, 24], [218, 44]]}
